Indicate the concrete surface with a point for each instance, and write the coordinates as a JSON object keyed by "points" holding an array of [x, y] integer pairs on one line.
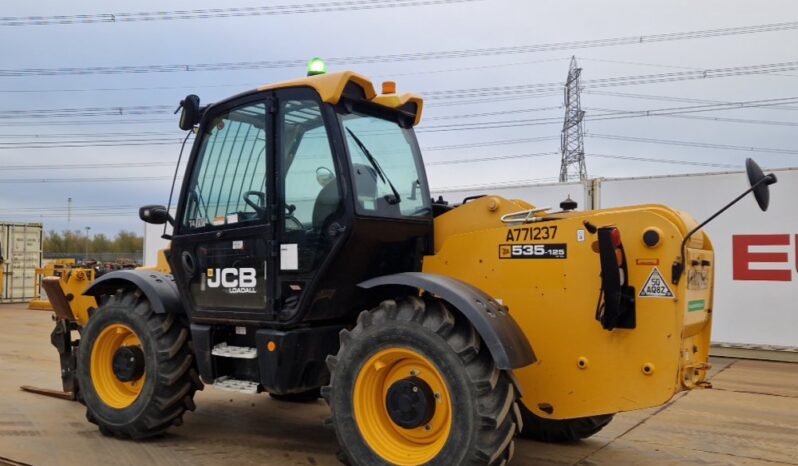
{"points": [[750, 418]]}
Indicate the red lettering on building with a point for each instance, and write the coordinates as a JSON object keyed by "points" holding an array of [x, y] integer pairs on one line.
{"points": [[742, 257]]}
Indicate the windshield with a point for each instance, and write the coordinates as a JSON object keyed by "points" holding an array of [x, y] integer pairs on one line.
{"points": [[387, 167]]}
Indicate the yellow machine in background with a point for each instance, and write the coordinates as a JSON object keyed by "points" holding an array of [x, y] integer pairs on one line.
{"points": [[59, 288], [73, 281]]}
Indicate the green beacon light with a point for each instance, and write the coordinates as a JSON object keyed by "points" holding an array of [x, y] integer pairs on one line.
{"points": [[316, 66]]}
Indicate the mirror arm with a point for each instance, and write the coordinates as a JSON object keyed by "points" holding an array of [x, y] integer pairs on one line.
{"points": [[678, 266]]}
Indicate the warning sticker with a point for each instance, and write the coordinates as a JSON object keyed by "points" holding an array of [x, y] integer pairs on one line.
{"points": [[656, 286]]}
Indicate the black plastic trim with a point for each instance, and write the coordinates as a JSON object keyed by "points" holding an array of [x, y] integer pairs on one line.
{"points": [[159, 288], [500, 332], [202, 337], [298, 363]]}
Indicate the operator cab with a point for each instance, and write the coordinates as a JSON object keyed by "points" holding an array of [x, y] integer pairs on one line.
{"points": [[295, 193]]}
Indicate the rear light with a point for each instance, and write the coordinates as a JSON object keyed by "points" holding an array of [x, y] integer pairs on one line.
{"points": [[617, 310], [615, 234]]}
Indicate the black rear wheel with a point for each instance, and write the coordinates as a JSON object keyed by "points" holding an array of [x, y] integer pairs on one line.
{"points": [[135, 368], [412, 384], [561, 430]]}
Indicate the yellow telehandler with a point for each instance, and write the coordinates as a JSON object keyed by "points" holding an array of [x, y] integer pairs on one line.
{"points": [[307, 259]]}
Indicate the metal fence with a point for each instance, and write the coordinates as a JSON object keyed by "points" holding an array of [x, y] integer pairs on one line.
{"points": [[136, 256]]}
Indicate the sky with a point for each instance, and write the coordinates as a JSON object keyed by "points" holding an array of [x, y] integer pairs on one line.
{"points": [[106, 199]]}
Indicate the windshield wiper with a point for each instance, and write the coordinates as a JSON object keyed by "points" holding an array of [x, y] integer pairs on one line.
{"points": [[396, 198]]}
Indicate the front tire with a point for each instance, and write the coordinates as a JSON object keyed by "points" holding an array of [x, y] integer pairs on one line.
{"points": [[135, 368], [412, 384]]}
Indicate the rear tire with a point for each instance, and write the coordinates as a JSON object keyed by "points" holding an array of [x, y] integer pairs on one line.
{"points": [[158, 398], [561, 430], [475, 416]]}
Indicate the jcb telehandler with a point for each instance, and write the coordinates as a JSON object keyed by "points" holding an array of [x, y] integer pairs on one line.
{"points": [[308, 259]]}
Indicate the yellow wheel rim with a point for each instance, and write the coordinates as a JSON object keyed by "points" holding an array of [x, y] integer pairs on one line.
{"points": [[109, 388], [395, 444]]}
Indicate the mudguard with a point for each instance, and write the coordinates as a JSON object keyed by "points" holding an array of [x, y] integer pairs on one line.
{"points": [[504, 338], [159, 288]]}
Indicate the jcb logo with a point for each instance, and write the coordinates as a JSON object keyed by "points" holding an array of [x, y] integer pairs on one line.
{"points": [[233, 280]]}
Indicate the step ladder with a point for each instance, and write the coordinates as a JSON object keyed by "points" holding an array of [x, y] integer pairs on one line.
{"points": [[232, 385], [228, 351], [227, 383]]}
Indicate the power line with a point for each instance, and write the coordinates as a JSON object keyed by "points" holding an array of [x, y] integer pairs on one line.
{"points": [[702, 145], [122, 122], [484, 114], [710, 73], [252, 85], [151, 140], [695, 108], [676, 99], [86, 166], [103, 208], [500, 142], [81, 180], [607, 116], [659, 65], [707, 118], [207, 13], [490, 159], [98, 135], [412, 56], [513, 90], [503, 184], [668, 161], [86, 111]]}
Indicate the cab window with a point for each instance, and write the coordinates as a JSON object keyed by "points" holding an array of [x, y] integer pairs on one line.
{"points": [[312, 191], [386, 167], [228, 184]]}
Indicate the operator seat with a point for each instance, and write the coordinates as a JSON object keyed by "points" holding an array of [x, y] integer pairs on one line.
{"points": [[327, 203]]}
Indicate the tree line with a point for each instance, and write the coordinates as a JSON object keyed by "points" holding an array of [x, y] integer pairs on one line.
{"points": [[69, 241]]}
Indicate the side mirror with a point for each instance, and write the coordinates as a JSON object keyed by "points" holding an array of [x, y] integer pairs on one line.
{"points": [[760, 183], [156, 215], [191, 112]]}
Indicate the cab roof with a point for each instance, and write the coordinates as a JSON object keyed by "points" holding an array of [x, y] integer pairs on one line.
{"points": [[331, 87]]}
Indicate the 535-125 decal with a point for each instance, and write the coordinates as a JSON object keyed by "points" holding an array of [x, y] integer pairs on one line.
{"points": [[533, 251]]}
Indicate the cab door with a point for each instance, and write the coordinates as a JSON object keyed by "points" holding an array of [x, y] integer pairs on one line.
{"points": [[222, 250], [312, 217]]}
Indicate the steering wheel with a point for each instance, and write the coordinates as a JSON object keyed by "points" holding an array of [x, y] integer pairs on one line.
{"points": [[261, 201]]}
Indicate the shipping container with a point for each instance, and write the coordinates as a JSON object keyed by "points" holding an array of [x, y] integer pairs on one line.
{"points": [[21, 249]]}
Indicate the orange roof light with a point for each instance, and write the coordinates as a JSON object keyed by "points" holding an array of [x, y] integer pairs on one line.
{"points": [[389, 87]]}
